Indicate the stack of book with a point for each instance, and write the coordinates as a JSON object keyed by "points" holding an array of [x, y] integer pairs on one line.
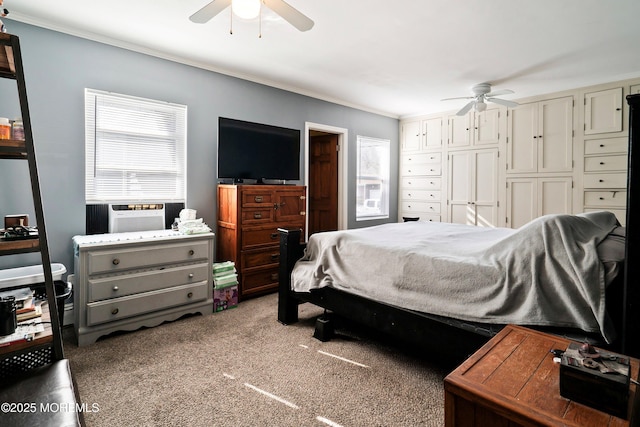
{"points": [[27, 307], [225, 286]]}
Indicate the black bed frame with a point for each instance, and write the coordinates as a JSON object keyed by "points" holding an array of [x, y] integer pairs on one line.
{"points": [[445, 339]]}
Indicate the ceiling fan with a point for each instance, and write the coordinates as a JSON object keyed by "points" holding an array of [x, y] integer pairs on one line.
{"points": [[481, 95], [252, 8]]}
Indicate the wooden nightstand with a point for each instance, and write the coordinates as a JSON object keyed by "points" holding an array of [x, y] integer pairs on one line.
{"points": [[512, 381]]}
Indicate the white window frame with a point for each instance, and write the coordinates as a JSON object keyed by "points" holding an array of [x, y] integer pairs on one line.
{"points": [[372, 180], [135, 149]]}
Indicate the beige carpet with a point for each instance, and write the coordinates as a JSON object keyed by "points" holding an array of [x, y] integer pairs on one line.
{"points": [[243, 368]]}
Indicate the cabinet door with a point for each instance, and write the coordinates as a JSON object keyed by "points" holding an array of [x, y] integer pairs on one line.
{"points": [[290, 206], [603, 111], [555, 135], [554, 195], [459, 128], [485, 187], [487, 128], [522, 137], [522, 198], [460, 208], [433, 133], [411, 136]]}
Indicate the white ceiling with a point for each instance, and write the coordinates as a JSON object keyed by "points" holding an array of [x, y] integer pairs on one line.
{"points": [[395, 57]]}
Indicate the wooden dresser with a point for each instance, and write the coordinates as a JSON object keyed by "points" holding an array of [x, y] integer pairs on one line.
{"points": [[513, 381], [248, 220]]}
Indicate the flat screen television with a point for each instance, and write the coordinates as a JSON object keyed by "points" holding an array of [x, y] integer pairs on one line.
{"points": [[257, 152]]}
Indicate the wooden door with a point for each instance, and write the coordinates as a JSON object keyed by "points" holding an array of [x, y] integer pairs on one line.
{"points": [[555, 135], [323, 183]]}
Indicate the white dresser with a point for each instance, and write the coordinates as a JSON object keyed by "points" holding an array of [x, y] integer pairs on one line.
{"points": [[125, 281]]}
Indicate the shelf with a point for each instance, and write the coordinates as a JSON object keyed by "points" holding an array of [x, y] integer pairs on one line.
{"points": [[42, 339], [12, 149], [19, 246], [7, 63]]}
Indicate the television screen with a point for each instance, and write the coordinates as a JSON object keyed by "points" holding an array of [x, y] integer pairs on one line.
{"points": [[257, 151]]}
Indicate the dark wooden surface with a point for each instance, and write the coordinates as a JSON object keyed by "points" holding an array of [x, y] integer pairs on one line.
{"points": [[512, 380]]}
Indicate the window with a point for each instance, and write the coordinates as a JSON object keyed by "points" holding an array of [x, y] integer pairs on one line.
{"points": [[373, 178], [135, 149]]}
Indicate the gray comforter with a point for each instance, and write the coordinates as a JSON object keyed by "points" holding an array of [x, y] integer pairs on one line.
{"points": [[544, 273]]}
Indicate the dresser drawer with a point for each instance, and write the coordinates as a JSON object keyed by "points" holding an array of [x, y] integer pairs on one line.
{"points": [[605, 163], [422, 169], [605, 198], [605, 180], [412, 207], [253, 237], [259, 280], [605, 146], [133, 305], [145, 281], [424, 158], [422, 216], [422, 183], [120, 259], [422, 195], [257, 215], [260, 258], [257, 197]]}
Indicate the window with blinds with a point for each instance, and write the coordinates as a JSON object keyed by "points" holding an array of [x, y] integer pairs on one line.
{"points": [[135, 149]]}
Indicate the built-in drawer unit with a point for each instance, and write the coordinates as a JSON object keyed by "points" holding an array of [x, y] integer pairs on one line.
{"points": [[605, 180], [425, 169], [434, 183], [126, 281], [605, 163], [605, 146], [605, 198], [421, 195], [433, 208]]}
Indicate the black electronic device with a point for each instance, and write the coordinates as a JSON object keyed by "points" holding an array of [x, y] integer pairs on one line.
{"points": [[256, 153]]}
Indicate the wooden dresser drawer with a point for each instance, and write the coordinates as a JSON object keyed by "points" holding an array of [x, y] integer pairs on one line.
{"points": [[423, 158], [252, 197], [422, 169], [253, 237], [259, 280], [423, 195], [134, 305], [605, 146], [257, 215], [605, 163], [605, 180], [434, 183], [411, 207], [605, 198], [120, 259], [260, 258], [145, 281]]}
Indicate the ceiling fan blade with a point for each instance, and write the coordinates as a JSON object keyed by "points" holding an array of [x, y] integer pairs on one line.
{"points": [[500, 92], [290, 14], [209, 11], [459, 97], [466, 108], [503, 102]]}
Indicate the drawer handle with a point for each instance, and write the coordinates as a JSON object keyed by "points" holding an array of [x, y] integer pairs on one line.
{"points": [[190, 295], [258, 199], [190, 275], [275, 256], [601, 180], [601, 145], [274, 235], [116, 289], [274, 276], [601, 198], [602, 163], [116, 261], [115, 311], [257, 215], [191, 252]]}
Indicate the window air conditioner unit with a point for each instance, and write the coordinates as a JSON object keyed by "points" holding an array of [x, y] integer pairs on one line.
{"points": [[137, 217]]}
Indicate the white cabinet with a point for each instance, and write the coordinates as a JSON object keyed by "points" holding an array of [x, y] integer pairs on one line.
{"points": [[410, 136], [540, 137], [532, 197], [605, 175], [125, 281], [603, 111], [473, 187], [474, 130], [419, 135], [432, 133]]}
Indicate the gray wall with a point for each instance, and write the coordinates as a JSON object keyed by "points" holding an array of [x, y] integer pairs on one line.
{"points": [[58, 67]]}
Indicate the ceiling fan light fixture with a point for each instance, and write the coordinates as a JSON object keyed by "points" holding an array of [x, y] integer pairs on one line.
{"points": [[246, 9], [480, 106]]}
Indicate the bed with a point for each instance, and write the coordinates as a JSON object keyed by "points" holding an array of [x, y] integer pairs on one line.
{"points": [[548, 274]]}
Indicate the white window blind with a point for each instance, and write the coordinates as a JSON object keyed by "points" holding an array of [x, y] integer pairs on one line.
{"points": [[135, 149]]}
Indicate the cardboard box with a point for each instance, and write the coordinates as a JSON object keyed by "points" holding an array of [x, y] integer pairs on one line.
{"points": [[582, 381], [225, 298]]}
